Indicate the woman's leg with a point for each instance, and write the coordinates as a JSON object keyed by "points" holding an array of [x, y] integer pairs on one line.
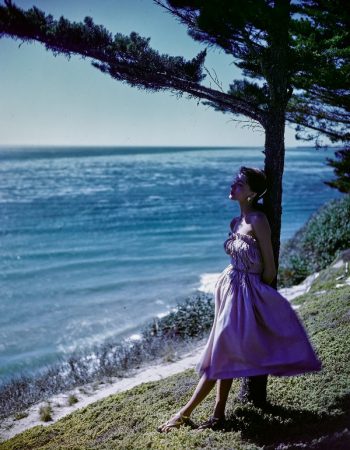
{"points": [[216, 421], [203, 388], [223, 389]]}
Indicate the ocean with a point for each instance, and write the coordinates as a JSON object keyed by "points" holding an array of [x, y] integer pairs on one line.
{"points": [[96, 242]]}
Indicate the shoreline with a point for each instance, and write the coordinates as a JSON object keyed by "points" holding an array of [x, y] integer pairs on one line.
{"points": [[92, 392]]}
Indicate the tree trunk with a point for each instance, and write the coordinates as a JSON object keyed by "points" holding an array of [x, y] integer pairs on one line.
{"points": [[255, 388], [274, 167]]}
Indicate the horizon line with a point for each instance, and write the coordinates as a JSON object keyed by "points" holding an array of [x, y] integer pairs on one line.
{"points": [[150, 146]]}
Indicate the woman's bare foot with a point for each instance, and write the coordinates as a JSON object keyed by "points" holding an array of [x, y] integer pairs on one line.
{"points": [[175, 421]]}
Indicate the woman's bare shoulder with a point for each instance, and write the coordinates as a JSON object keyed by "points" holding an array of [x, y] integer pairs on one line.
{"points": [[260, 222]]}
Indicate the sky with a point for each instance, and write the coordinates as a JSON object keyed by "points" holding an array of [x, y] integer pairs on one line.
{"points": [[52, 100]]}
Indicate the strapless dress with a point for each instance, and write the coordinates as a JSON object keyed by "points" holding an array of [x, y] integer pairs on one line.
{"points": [[255, 331]]}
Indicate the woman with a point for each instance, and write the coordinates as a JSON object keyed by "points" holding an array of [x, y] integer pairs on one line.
{"points": [[255, 329]]}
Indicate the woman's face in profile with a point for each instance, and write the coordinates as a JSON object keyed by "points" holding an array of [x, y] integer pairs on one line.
{"points": [[239, 188]]}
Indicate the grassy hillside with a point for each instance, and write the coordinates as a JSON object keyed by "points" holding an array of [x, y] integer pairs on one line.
{"points": [[307, 411]]}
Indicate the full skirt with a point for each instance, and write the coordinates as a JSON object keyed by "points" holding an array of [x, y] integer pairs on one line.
{"points": [[255, 332]]}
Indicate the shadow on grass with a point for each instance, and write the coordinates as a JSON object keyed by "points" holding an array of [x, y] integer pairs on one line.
{"points": [[275, 424]]}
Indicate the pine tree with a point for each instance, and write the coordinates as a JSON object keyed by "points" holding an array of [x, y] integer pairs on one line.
{"points": [[322, 106], [341, 167]]}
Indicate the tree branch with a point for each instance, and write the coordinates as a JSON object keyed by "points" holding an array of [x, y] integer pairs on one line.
{"points": [[126, 58]]}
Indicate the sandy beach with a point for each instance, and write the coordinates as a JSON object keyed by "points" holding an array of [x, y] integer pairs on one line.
{"points": [[93, 392]]}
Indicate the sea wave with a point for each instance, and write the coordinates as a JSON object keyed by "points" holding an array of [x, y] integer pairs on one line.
{"points": [[207, 282]]}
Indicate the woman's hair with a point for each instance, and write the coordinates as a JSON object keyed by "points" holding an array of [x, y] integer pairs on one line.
{"points": [[256, 179]]}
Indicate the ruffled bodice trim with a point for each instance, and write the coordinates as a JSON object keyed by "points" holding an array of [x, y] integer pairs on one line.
{"points": [[245, 253]]}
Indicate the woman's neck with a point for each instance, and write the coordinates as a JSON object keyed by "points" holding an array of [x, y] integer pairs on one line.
{"points": [[246, 211]]}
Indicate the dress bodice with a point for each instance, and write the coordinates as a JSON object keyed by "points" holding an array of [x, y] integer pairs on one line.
{"points": [[244, 252]]}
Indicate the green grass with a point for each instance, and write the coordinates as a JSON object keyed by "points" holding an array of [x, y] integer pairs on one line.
{"points": [[307, 411]]}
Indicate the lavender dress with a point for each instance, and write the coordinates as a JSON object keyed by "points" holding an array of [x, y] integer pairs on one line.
{"points": [[255, 330]]}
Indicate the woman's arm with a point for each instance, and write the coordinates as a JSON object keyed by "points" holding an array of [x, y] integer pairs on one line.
{"points": [[262, 231]]}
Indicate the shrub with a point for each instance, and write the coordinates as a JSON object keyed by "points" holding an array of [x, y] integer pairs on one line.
{"points": [[317, 243], [21, 415], [72, 400], [192, 318], [45, 413]]}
